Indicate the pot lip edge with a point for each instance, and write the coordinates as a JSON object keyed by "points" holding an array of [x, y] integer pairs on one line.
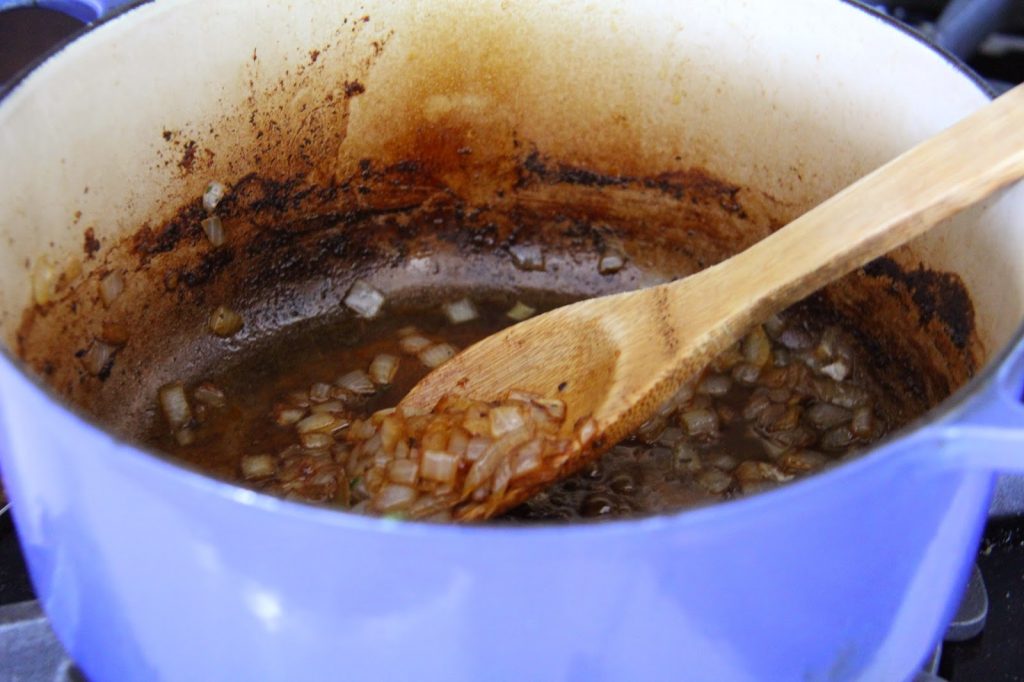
{"points": [[924, 428]]}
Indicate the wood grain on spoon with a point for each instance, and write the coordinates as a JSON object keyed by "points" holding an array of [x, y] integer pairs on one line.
{"points": [[616, 359]]}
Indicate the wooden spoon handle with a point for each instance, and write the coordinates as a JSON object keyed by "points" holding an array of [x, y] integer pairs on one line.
{"points": [[886, 208]]}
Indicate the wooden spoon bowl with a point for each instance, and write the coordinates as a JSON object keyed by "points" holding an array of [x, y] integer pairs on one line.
{"points": [[614, 360]]}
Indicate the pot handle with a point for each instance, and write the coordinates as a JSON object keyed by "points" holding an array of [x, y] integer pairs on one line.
{"points": [[83, 10], [988, 430]]}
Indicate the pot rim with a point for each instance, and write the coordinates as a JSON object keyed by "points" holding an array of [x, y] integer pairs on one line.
{"points": [[722, 512]]}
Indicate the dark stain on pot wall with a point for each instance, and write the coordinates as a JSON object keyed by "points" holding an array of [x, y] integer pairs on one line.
{"points": [[188, 159], [91, 244], [695, 185], [936, 294]]}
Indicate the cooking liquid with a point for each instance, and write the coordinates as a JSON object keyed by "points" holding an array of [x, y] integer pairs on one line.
{"points": [[662, 467]]}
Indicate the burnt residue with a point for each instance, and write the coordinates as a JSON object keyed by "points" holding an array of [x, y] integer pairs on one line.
{"points": [[906, 385], [692, 185], [296, 241], [91, 245], [936, 295], [354, 88], [210, 266], [149, 241], [536, 167], [188, 157]]}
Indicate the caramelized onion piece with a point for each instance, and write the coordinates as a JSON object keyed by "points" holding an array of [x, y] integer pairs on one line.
{"points": [[527, 256], [225, 322], [383, 369], [611, 262], [211, 197], [174, 404], [520, 311], [365, 300], [436, 355], [258, 466], [111, 287], [358, 382], [460, 311], [210, 395], [214, 230], [44, 280]]}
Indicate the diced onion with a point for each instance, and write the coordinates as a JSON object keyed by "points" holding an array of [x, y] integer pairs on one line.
{"points": [[212, 196], [713, 480], [286, 416], [803, 461], [316, 422], [650, 430], [438, 466], [329, 407], [520, 311], [715, 384], [863, 423], [383, 368], [528, 459], [586, 430], [393, 498], [185, 436], [836, 439], [824, 416], [685, 457], [837, 370], [391, 432], [316, 440], [436, 355], [700, 422], [488, 461], [458, 442], [403, 471], [210, 395], [555, 409], [757, 347], [225, 322], [414, 343], [527, 256], [258, 466], [44, 280], [111, 287], [320, 392], [364, 299], [114, 333], [214, 230], [358, 382], [611, 262], [459, 311], [746, 373], [476, 447], [97, 357], [174, 404], [434, 439], [506, 418]]}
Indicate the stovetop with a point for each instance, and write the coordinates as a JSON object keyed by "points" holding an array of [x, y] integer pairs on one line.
{"points": [[985, 643]]}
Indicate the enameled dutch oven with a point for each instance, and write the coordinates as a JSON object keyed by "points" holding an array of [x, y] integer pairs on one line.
{"points": [[149, 570]]}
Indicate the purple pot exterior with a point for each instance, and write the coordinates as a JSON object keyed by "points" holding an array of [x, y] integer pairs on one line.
{"points": [[851, 574], [83, 10]]}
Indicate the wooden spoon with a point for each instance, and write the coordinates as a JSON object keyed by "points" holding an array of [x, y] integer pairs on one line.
{"points": [[616, 359]]}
